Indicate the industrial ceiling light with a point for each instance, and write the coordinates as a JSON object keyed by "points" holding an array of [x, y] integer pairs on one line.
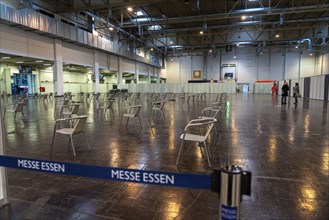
{"points": [[130, 9], [151, 49], [277, 35], [171, 42], [243, 17], [111, 28], [5, 57], [201, 32]]}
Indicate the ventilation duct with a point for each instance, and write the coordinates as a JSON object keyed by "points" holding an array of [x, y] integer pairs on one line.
{"points": [[309, 43]]}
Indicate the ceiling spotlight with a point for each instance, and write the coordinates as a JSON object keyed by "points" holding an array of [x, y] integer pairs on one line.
{"points": [[210, 51], [111, 28], [201, 32], [39, 61], [130, 9], [296, 46], [171, 42], [237, 45], [234, 57], [5, 57], [243, 17], [151, 49], [172, 59], [311, 54], [277, 35]]}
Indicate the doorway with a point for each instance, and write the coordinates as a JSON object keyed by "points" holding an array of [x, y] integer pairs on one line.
{"points": [[23, 84]]}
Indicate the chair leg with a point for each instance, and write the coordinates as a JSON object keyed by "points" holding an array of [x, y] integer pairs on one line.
{"points": [[71, 137], [4, 115], [52, 142], [121, 121], [87, 140], [127, 122], [207, 153], [180, 151], [164, 117], [140, 124]]}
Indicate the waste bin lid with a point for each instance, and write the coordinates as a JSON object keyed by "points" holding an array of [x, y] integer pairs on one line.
{"points": [[233, 169]]}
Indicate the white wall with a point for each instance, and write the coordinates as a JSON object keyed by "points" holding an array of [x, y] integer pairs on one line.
{"points": [[307, 66], [213, 68], [24, 43], [247, 69], [187, 65], [275, 65], [292, 66]]}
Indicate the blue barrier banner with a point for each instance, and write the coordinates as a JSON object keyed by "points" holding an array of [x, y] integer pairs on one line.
{"points": [[195, 181]]}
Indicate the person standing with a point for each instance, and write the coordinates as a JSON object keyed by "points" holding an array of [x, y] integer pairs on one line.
{"points": [[285, 89], [296, 93], [274, 88]]}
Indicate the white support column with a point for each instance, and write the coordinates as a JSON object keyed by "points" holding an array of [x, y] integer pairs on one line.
{"points": [[136, 72], [4, 199], [58, 68], [120, 68], [149, 76], [96, 71], [156, 70]]}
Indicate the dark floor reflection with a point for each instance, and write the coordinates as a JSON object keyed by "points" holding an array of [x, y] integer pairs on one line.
{"points": [[286, 147]]}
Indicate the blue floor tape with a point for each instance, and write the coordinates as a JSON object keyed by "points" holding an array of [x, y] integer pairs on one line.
{"points": [[195, 181]]}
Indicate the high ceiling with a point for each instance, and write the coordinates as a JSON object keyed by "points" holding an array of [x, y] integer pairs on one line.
{"points": [[189, 25]]}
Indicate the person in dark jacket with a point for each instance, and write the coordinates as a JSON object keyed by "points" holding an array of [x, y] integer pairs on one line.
{"points": [[296, 93], [285, 90]]}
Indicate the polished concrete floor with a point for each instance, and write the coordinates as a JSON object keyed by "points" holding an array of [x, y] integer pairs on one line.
{"points": [[285, 147]]}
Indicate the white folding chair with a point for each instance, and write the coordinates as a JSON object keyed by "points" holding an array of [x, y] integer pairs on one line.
{"points": [[78, 127], [131, 112], [157, 106], [68, 111], [17, 107], [108, 106], [197, 130]]}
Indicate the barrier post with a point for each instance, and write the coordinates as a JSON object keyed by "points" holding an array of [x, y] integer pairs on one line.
{"points": [[4, 199], [231, 183]]}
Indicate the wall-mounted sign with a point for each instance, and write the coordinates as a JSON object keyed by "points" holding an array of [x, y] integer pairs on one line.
{"points": [[197, 74]]}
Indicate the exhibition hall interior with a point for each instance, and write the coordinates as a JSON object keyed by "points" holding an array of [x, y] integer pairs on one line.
{"points": [[164, 109]]}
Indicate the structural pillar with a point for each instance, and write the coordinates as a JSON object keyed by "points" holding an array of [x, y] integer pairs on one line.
{"points": [[58, 68], [119, 77], [4, 199], [58, 78], [136, 72], [149, 75], [96, 72]]}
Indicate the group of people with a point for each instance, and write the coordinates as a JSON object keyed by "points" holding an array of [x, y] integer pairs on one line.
{"points": [[285, 91]]}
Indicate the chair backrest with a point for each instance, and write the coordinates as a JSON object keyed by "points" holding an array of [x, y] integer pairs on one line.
{"points": [[109, 104], [79, 124], [18, 107], [66, 101], [201, 123], [136, 109], [211, 112], [75, 109]]}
